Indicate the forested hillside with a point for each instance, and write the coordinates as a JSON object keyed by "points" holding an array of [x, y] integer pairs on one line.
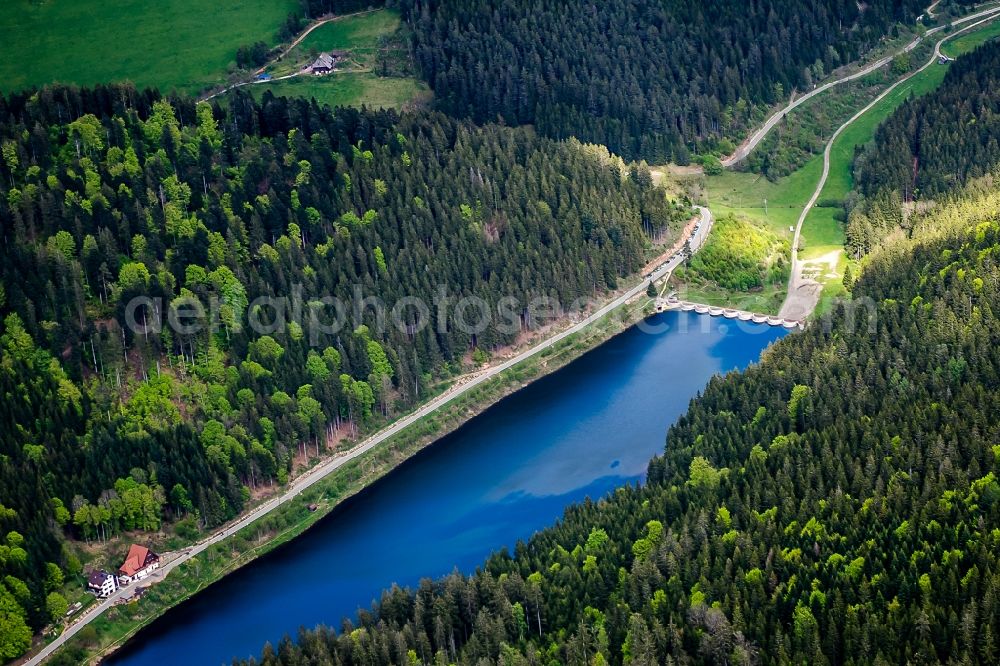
{"points": [[111, 194], [929, 146], [651, 79], [838, 503]]}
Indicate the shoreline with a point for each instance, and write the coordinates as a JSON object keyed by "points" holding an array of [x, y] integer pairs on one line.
{"points": [[505, 390], [386, 449]]}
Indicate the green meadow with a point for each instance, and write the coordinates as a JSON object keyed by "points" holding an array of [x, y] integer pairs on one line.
{"points": [[777, 204], [744, 194], [372, 43], [351, 89], [823, 233], [862, 130], [361, 38], [185, 45], [971, 40], [353, 32]]}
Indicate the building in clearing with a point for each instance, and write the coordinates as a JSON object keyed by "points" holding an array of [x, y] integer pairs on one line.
{"points": [[323, 64], [102, 584], [139, 563]]}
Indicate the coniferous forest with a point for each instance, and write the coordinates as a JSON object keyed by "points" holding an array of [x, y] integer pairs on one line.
{"points": [[649, 79], [113, 193], [928, 147], [941, 140], [836, 504]]}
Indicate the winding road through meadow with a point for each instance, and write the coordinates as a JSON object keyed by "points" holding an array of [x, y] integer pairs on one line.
{"points": [[803, 293], [284, 52]]}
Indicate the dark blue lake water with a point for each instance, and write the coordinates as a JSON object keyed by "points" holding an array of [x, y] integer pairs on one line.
{"points": [[579, 432]]}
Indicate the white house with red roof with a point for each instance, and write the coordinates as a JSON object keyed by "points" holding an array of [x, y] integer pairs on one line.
{"points": [[139, 563]]}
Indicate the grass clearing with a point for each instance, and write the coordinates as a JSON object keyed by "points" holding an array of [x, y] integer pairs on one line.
{"points": [[970, 41], [185, 45], [352, 32], [766, 301], [744, 193], [862, 131], [825, 233], [369, 40], [745, 262], [821, 232], [352, 89], [375, 70], [832, 290], [803, 133]]}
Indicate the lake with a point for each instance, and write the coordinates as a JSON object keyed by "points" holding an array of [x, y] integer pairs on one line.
{"points": [[504, 475]]}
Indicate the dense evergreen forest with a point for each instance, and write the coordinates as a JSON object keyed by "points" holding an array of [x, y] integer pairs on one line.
{"points": [[929, 146], [650, 79], [112, 193], [170, 269], [838, 503]]}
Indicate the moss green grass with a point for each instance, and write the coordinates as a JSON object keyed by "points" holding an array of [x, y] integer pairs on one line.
{"points": [[185, 45], [820, 231], [351, 89], [352, 32]]}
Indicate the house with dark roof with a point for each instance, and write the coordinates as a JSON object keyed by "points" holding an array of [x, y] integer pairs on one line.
{"points": [[323, 64], [102, 584], [139, 563]]}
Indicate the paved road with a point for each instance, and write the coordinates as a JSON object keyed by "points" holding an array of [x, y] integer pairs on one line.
{"points": [[322, 470], [747, 146], [803, 294]]}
